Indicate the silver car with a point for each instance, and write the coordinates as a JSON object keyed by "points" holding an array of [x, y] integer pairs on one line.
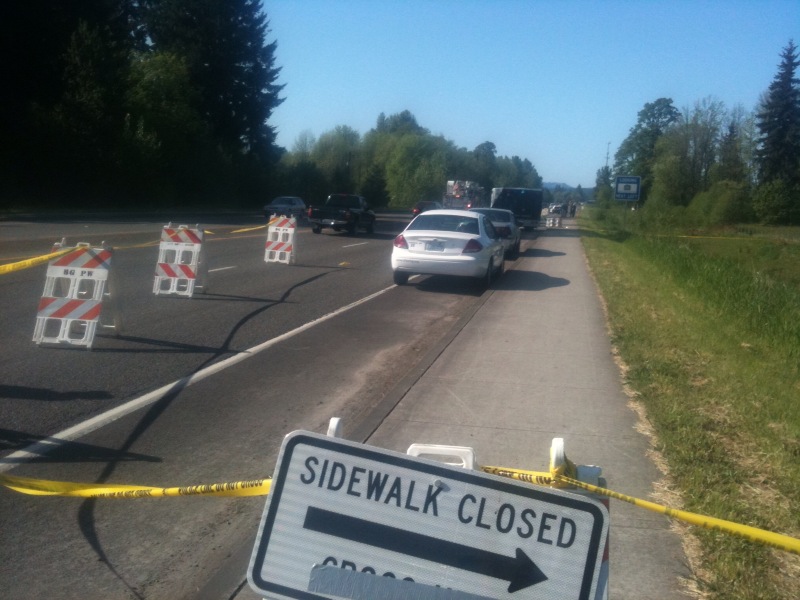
{"points": [[286, 206], [448, 242], [506, 225]]}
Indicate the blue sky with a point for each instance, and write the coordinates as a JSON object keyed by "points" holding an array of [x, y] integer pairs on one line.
{"points": [[550, 81]]}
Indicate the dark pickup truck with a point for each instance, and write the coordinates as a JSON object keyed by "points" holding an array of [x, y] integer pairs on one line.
{"points": [[342, 211]]}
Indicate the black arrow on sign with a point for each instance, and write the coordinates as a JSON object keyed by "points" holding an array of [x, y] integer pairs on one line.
{"points": [[519, 571]]}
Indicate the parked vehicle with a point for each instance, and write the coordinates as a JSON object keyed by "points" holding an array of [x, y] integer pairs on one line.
{"points": [[342, 211], [424, 205], [448, 242], [525, 203], [506, 226], [286, 206]]}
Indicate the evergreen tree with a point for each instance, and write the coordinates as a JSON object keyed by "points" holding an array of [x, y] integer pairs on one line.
{"points": [[779, 124], [637, 151], [63, 75], [731, 166], [230, 64], [603, 188]]}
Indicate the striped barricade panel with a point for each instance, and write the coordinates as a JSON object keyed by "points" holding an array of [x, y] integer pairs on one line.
{"points": [[280, 245], [182, 235]]}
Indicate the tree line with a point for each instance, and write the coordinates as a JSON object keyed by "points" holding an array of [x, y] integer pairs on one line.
{"points": [[717, 165], [136, 102], [396, 163], [149, 103]]}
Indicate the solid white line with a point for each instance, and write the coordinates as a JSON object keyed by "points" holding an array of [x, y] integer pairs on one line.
{"points": [[358, 244], [47, 444], [220, 269]]}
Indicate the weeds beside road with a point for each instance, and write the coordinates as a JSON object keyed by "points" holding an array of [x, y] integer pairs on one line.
{"points": [[709, 329]]}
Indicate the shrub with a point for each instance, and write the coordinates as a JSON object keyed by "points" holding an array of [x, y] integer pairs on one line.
{"points": [[725, 203], [777, 203]]}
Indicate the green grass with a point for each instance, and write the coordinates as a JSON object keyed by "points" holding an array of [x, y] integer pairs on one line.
{"points": [[710, 331]]}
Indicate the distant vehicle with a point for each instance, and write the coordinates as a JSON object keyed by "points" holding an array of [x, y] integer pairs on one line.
{"points": [[525, 203], [286, 206], [506, 226], [342, 211], [462, 195], [448, 242], [424, 205], [556, 209]]}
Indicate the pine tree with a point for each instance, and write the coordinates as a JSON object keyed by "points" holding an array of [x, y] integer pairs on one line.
{"points": [[779, 124], [230, 64]]}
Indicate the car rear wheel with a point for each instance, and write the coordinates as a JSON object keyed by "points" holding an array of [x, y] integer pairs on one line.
{"points": [[400, 278], [316, 229]]}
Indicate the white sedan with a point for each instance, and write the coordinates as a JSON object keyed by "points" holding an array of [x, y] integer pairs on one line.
{"points": [[506, 225], [448, 242]]}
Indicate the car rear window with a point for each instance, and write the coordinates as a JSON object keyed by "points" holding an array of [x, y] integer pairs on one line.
{"points": [[344, 201], [445, 223]]}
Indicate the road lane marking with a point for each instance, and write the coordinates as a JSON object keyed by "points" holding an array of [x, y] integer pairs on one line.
{"points": [[220, 269], [353, 245], [47, 444]]}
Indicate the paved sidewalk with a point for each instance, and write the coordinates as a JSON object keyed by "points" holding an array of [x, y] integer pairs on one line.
{"points": [[535, 363]]}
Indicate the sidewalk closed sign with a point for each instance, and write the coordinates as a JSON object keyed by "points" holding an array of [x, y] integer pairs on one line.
{"points": [[346, 520]]}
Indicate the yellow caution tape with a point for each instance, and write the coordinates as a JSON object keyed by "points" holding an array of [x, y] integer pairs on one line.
{"points": [[534, 477], [768, 538], [43, 487], [261, 487], [249, 229], [32, 262]]}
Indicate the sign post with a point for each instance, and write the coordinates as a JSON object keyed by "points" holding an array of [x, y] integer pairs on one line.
{"points": [[346, 520]]}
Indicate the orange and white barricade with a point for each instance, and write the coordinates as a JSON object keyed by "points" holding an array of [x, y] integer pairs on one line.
{"points": [[554, 221], [181, 265], [76, 286], [280, 240]]}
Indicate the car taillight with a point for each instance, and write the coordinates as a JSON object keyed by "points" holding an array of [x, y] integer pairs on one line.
{"points": [[309, 211], [400, 242], [472, 246]]}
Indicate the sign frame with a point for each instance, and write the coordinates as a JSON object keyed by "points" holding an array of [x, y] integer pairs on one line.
{"points": [[628, 188], [347, 529]]}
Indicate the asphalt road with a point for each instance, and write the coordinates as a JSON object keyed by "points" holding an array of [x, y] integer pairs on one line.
{"points": [[226, 427]]}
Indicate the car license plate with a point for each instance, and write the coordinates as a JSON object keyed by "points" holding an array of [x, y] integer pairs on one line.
{"points": [[435, 246]]}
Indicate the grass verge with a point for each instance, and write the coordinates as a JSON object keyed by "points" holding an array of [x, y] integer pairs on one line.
{"points": [[710, 334]]}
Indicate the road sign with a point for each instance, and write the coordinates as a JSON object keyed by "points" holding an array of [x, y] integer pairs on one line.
{"points": [[627, 188], [346, 520]]}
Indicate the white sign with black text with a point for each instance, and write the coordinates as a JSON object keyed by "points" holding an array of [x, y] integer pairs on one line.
{"points": [[346, 520]]}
